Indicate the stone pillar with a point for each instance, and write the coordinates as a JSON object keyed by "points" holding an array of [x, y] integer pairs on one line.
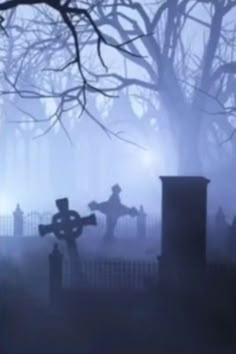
{"points": [[55, 275], [18, 221], [184, 216]]}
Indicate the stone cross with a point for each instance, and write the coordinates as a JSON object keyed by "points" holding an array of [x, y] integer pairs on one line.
{"points": [[67, 225], [113, 209]]}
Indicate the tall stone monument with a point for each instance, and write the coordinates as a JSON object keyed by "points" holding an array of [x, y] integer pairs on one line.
{"points": [[184, 212]]}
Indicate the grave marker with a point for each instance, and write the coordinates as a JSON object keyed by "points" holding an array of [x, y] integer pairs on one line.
{"points": [[184, 215], [67, 225], [113, 209]]}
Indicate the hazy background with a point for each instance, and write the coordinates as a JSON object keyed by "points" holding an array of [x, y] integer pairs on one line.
{"points": [[37, 170]]}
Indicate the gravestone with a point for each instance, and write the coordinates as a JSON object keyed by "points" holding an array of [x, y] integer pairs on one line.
{"points": [[18, 221], [55, 274], [222, 235], [141, 223], [67, 225], [184, 214], [113, 209], [220, 218], [232, 241]]}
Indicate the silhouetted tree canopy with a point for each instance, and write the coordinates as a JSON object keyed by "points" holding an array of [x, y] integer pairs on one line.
{"points": [[182, 50], [188, 62]]}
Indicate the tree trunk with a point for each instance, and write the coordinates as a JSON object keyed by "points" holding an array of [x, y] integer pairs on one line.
{"points": [[189, 160], [184, 121], [186, 130]]}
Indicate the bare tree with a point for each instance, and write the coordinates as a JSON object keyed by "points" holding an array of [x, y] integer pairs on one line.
{"points": [[188, 61], [183, 51], [54, 37]]}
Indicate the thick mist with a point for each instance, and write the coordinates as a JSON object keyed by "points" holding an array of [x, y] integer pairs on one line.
{"points": [[39, 169], [98, 100]]}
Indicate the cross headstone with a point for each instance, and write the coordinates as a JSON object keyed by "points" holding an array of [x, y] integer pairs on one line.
{"points": [[113, 209], [67, 225], [141, 223], [18, 221]]}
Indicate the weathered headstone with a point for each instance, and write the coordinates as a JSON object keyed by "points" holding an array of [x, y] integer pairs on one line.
{"points": [[18, 221], [233, 226], [220, 218], [222, 235], [141, 223], [232, 241], [67, 225], [184, 213], [113, 209], [55, 274]]}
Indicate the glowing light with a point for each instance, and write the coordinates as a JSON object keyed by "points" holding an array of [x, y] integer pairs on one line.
{"points": [[6, 206], [148, 158]]}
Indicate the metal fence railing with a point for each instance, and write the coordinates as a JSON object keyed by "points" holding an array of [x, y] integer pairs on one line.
{"points": [[27, 225], [113, 273], [29, 221]]}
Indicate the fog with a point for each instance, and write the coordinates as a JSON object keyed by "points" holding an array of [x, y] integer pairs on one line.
{"points": [[43, 161], [38, 170], [95, 94]]}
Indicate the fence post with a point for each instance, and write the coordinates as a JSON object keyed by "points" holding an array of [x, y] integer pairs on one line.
{"points": [[18, 220], [55, 274]]}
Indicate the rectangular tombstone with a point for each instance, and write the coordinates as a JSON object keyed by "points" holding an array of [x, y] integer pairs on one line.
{"points": [[184, 216]]}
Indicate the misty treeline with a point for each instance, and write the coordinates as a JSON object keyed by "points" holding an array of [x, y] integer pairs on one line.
{"points": [[177, 57]]}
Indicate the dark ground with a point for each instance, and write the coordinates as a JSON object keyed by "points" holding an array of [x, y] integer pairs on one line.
{"points": [[95, 322], [102, 322]]}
